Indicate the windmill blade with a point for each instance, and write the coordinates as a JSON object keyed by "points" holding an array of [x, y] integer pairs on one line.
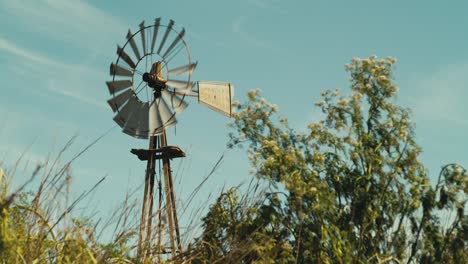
{"points": [[143, 123], [168, 30], [177, 84], [142, 32], [155, 122], [176, 102], [137, 125], [131, 125], [175, 42], [116, 102], [127, 111], [157, 21], [189, 68], [118, 70], [167, 117], [117, 86], [125, 57], [133, 44]]}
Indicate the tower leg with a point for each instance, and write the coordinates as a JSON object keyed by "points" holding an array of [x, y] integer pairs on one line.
{"points": [[159, 237], [145, 220], [170, 199], [150, 198], [174, 211]]}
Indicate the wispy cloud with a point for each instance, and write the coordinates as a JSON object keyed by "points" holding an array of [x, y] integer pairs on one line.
{"points": [[19, 122], [84, 30], [443, 94], [267, 4], [238, 28], [61, 78], [206, 38], [75, 21], [62, 88], [13, 49]]}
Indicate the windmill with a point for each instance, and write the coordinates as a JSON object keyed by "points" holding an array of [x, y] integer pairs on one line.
{"points": [[151, 79]]}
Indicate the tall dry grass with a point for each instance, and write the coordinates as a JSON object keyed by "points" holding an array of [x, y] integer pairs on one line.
{"points": [[38, 224]]}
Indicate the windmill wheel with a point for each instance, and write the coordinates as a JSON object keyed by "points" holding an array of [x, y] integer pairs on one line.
{"points": [[150, 78]]}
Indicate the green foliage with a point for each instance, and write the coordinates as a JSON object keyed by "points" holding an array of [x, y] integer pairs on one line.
{"points": [[349, 190], [237, 228]]}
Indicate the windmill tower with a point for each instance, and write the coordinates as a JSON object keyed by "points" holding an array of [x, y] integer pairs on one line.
{"points": [[148, 90]]}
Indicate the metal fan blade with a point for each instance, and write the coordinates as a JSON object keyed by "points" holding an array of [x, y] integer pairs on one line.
{"points": [[143, 124], [155, 33], [142, 32], [189, 68], [137, 126], [133, 44], [168, 29], [167, 117], [177, 84], [116, 102], [177, 103], [174, 43], [117, 70], [155, 122], [117, 86], [125, 57], [127, 110], [131, 126]]}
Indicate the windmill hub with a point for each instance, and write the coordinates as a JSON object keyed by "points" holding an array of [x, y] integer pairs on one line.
{"points": [[154, 78]]}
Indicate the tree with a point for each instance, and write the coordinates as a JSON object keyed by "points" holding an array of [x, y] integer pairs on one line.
{"points": [[349, 190]]}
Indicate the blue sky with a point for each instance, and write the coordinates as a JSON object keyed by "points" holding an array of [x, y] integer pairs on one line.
{"points": [[55, 54]]}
